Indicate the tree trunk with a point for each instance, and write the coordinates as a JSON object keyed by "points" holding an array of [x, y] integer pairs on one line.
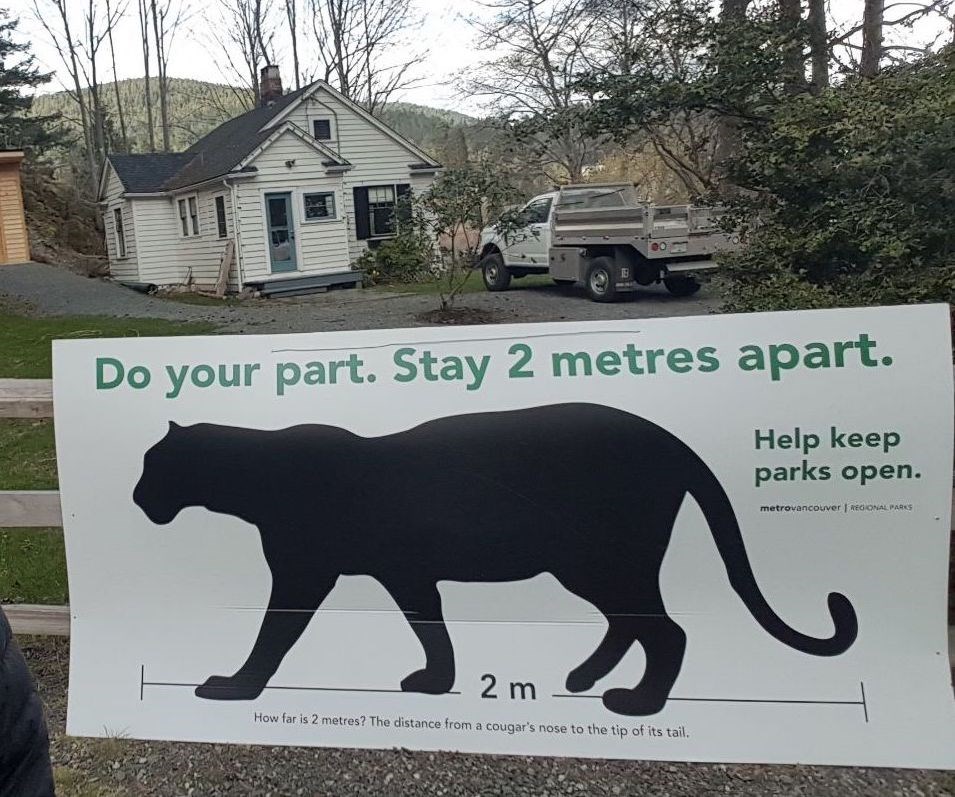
{"points": [[727, 141], [818, 45], [871, 38], [144, 30], [124, 136], [159, 36], [290, 12], [794, 65]]}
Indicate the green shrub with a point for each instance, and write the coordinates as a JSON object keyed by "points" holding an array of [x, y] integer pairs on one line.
{"points": [[408, 257], [850, 195]]}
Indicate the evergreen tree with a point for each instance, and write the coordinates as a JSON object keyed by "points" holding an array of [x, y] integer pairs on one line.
{"points": [[18, 74]]}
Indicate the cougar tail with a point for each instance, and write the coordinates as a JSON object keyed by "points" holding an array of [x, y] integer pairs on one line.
{"points": [[716, 507]]}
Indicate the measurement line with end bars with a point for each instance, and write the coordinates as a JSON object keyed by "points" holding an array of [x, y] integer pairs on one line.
{"points": [[143, 683]]}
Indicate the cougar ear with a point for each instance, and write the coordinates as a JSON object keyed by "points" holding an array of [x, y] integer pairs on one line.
{"points": [[174, 425]]}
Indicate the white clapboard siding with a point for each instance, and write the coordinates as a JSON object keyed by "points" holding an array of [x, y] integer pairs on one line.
{"points": [[376, 158], [157, 231], [199, 256], [124, 269], [322, 245]]}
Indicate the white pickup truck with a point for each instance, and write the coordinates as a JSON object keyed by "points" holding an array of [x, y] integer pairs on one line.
{"points": [[603, 236]]}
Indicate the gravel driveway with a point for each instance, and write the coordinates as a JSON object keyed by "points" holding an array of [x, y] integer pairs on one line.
{"points": [[56, 291], [112, 767]]}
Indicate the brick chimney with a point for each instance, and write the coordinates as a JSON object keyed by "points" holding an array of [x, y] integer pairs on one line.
{"points": [[270, 87]]}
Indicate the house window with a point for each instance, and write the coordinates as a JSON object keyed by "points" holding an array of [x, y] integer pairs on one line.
{"points": [[194, 214], [322, 129], [189, 216], [319, 205], [120, 232], [381, 210], [220, 217]]}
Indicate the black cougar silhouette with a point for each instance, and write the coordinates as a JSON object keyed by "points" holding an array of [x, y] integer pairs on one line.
{"points": [[584, 492]]}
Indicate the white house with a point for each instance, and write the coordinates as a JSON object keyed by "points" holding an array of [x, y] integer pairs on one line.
{"points": [[296, 189]]}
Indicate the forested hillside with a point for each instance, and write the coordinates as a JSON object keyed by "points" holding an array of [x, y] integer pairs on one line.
{"points": [[196, 107]]}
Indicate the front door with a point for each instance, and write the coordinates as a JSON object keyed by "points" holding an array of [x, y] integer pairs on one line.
{"points": [[278, 211]]}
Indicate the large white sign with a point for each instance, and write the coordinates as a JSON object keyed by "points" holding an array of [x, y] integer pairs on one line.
{"points": [[711, 539]]}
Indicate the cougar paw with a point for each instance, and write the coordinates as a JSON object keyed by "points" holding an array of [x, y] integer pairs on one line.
{"points": [[221, 687], [428, 682]]}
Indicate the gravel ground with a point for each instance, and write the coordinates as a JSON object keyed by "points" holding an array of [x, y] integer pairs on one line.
{"points": [[56, 291], [112, 767]]}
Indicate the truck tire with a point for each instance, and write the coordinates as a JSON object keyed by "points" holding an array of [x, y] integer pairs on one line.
{"points": [[681, 286], [599, 283], [495, 274]]}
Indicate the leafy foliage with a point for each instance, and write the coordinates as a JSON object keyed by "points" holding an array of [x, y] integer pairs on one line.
{"points": [[403, 259], [439, 231], [850, 195], [462, 201]]}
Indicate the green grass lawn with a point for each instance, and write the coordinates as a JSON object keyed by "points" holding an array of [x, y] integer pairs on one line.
{"points": [[25, 350], [33, 562]]}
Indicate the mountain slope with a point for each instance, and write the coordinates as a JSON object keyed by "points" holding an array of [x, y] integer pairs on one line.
{"points": [[196, 107]]}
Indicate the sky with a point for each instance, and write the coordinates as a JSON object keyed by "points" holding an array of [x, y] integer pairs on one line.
{"points": [[444, 33]]}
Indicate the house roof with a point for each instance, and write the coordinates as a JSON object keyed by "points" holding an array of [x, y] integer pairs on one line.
{"points": [[145, 173], [219, 151], [226, 148]]}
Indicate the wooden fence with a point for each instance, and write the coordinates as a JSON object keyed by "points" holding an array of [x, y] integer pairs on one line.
{"points": [[33, 398]]}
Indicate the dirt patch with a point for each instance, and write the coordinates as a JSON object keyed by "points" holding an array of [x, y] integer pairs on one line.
{"points": [[457, 316]]}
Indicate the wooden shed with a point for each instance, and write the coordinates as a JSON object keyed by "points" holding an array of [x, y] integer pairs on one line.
{"points": [[14, 244]]}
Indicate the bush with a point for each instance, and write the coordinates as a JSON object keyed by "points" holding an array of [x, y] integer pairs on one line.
{"points": [[408, 257], [850, 195]]}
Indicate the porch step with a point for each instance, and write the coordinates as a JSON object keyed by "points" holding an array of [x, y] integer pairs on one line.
{"points": [[306, 283]]}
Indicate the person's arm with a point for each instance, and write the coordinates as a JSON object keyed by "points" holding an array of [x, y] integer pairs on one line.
{"points": [[24, 746]]}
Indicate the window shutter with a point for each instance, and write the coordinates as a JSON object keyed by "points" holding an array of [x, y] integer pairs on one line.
{"points": [[403, 194], [362, 221]]}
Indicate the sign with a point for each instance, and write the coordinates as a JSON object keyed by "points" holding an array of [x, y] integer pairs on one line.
{"points": [[708, 539]]}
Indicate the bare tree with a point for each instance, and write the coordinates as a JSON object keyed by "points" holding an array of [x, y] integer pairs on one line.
{"points": [[242, 36], [537, 48], [875, 30], [818, 45], [97, 28], [363, 47], [291, 14], [124, 136], [871, 56], [794, 60], [80, 57], [60, 33], [167, 16], [143, 9]]}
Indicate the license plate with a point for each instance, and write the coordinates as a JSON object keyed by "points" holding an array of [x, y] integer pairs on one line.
{"points": [[678, 248]]}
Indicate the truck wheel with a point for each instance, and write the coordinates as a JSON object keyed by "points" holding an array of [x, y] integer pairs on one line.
{"points": [[564, 282], [599, 283], [681, 286], [495, 273]]}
